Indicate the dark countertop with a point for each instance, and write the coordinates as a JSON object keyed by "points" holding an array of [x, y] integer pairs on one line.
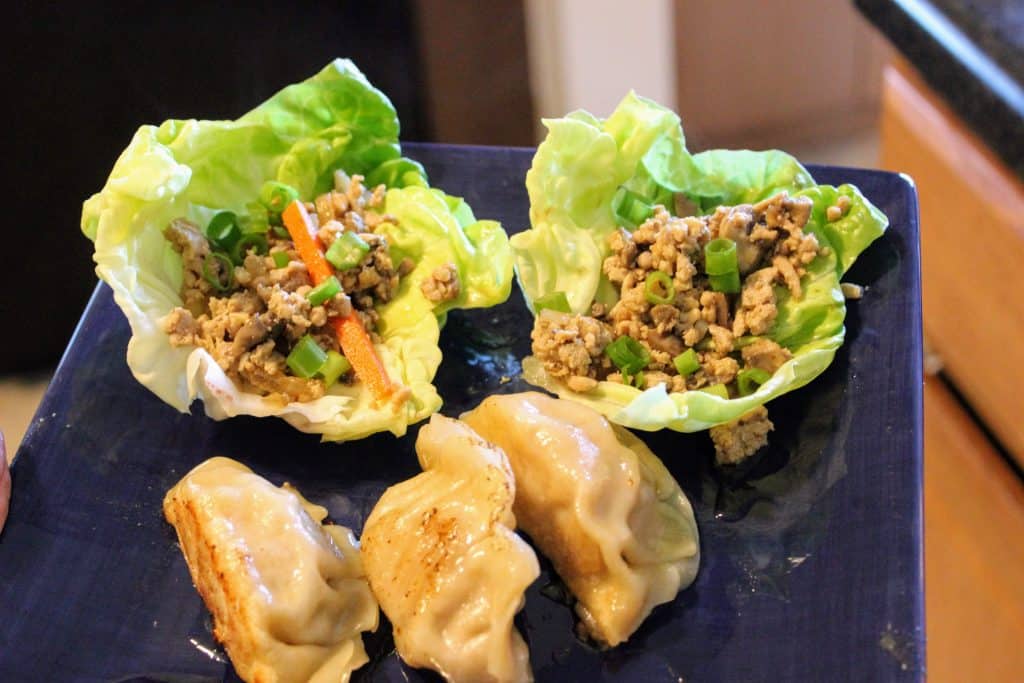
{"points": [[971, 52]]}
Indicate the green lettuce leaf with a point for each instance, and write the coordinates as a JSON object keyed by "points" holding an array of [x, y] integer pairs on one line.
{"points": [[574, 176], [300, 136]]}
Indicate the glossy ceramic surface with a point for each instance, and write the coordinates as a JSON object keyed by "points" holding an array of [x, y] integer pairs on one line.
{"points": [[811, 553]]}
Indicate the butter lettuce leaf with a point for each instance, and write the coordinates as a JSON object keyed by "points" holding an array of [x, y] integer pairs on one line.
{"points": [[300, 136], [575, 174]]}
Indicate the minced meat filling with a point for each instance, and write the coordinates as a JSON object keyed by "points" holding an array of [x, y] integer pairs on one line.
{"points": [[251, 329], [443, 284], [725, 330], [737, 440]]}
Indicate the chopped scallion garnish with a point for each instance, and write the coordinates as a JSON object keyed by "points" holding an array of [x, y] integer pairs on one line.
{"points": [[555, 301], [705, 344], [658, 288], [254, 241], [728, 283], [214, 261], [748, 381], [307, 358], [628, 354], [347, 251], [720, 257], [686, 363], [334, 367], [281, 259], [223, 230], [324, 291], [276, 196]]}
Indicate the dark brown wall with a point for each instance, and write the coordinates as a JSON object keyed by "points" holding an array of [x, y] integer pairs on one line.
{"points": [[476, 76]]}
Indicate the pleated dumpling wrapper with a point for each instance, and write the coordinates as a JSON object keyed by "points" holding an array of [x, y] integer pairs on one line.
{"points": [[443, 559], [287, 593], [597, 502]]}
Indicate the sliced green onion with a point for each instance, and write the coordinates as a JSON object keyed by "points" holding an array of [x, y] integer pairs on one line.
{"points": [[705, 344], [745, 340], [223, 230], [281, 259], [226, 265], [347, 251], [628, 355], [276, 196], [279, 231], [630, 208], [324, 291], [335, 366], [686, 363], [639, 380], [719, 390], [252, 240], [658, 288], [728, 283], [307, 358], [555, 301], [258, 220], [720, 257], [750, 379]]}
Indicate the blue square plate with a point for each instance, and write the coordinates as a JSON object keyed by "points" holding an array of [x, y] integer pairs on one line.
{"points": [[811, 554]]}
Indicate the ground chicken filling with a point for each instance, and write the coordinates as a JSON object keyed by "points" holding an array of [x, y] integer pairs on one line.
{"points": [[251, 326], [724, 330]]}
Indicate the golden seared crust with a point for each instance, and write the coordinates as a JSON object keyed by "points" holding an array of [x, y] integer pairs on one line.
{"points": [[224, 590], [288, 595]]}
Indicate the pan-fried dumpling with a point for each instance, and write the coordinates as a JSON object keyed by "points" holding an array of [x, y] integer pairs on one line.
{"points": [[599, 504], [444, 562], [288, 595]]}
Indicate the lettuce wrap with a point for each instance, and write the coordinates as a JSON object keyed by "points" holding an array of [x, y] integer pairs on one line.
{"points": [[300, 136], [577, 171]]}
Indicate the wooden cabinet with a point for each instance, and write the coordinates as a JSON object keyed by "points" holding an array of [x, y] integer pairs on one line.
{"points": [[972, 243], [974, 549]]}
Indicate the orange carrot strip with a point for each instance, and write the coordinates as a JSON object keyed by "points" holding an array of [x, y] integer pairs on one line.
{"points": [[359, 351], [300, 227], [352, 336]]}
